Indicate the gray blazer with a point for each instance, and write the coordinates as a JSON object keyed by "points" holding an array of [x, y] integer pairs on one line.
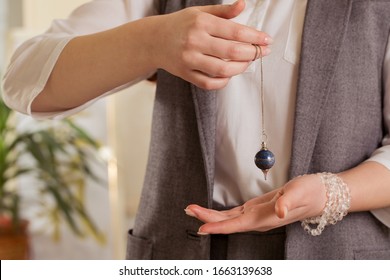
{"points": [[338, 124]]}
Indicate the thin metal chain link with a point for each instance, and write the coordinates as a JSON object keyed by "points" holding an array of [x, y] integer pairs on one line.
{"points": [[263, 133]]}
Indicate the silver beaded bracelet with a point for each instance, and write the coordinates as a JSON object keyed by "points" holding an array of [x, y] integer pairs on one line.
{"points": [[336, 207]]}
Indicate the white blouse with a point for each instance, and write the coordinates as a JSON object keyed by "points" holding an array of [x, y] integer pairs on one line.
{"points": [[237, 179]]}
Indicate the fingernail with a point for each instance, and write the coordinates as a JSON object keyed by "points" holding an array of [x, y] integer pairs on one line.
{"points": [[200, 232], [189, 213], [267, 51], [268, 40], [285, 212]]}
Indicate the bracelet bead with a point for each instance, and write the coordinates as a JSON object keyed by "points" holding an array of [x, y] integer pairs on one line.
{"points": [[336, 207]]}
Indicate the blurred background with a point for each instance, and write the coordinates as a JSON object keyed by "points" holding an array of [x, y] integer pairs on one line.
{"points": [[120, 123]]}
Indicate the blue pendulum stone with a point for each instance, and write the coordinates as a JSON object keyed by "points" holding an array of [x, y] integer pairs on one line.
{"points": [[264, 159]]}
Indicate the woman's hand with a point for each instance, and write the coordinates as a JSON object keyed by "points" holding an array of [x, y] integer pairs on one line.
{"points": [[202, 46], [300, 198], [198, 44]]}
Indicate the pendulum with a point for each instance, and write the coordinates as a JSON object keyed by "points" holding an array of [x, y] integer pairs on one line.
{"points": [[264, 159]]}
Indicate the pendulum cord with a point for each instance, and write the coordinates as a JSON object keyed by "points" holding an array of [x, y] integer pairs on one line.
{"points": [[264, 159]]}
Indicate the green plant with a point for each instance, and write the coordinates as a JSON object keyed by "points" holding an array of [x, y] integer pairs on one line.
{"points": [[59, 155]]}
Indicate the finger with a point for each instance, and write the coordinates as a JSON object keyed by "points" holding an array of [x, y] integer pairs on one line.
{"points": [[237, 32], [261, 199], [259, 217], [290, 199], [233, 225], [303, 192], [234, 211], [281, 208], [231, 50], [204, 81], [208, 215], [220, 27], [256, 218], [216, 67], [224, 11]]}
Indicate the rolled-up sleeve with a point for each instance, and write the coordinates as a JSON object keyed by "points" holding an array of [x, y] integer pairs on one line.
{"points": [[382, 154], [32, 63]]}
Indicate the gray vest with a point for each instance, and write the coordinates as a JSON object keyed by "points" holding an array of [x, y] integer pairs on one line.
{"points": [[338, 124]]}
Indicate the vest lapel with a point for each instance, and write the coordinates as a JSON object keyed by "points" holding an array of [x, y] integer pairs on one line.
{"points": [[205, 108], [323, 35]]}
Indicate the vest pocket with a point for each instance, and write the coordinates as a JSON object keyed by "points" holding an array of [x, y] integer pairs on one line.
{"points": [[372, 254], [138, 248]]}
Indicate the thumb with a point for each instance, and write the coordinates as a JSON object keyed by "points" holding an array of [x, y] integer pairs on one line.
{"points": [[299, 193], [287, 200], [281, 207], [224, 11]]}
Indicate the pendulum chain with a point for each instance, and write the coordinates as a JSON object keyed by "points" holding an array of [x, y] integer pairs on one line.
{"points": [[264, 159]]}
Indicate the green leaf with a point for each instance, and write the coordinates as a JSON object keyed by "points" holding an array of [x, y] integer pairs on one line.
{"points": [[60, 162]]}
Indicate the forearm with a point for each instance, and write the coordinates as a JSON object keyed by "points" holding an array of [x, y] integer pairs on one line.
{"points": [[369, 184], [94, 64], [199, 44]]}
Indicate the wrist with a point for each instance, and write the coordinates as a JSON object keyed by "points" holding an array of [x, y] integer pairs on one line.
{"points": [[140, 45], [153, 41]]}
